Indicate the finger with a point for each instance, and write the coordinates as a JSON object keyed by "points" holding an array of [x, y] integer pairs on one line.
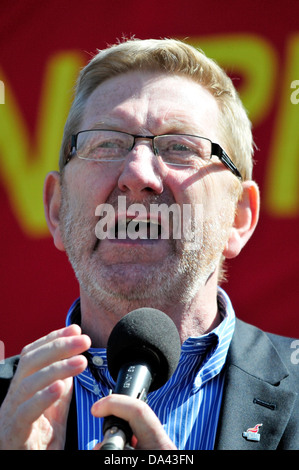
{"points": [[71, 330], [31, 410], [60, 370], [57, 349], [144, 423]]}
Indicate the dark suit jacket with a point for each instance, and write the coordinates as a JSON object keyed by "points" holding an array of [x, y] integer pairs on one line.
{"points": [[261, 387]]}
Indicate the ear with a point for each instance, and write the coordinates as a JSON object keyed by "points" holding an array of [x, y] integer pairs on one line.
{"points": [[52, 201], [246, 219]]}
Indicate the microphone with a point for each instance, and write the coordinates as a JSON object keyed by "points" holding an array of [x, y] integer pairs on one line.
{"points": [[143, 352]]}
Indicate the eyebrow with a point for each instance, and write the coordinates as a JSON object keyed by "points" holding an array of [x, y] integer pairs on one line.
{"points": [[100, 124], [173, 127], [181, 128]]}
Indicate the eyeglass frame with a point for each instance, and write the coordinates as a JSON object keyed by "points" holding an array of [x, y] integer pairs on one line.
{"points": [[216, 149]]}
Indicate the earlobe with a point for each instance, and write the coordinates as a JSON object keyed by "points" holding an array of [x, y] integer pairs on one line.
{"points": [[52, 201], [246, 218]]}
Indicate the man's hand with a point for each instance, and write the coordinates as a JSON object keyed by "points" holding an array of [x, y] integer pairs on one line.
{"points": [[34, 413], [147, 430]]}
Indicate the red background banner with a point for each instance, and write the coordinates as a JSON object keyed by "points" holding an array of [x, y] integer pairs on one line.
{"points": [[42, 47]]}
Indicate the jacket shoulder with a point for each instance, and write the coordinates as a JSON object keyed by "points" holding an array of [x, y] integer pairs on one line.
{"points": [[261, 386], [287, 348]]}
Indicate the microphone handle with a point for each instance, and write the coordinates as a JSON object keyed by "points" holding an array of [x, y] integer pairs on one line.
{"points": [[133, 380], [117, 433]]}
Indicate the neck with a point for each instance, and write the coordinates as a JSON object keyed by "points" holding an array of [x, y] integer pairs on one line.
{"points": [[196, 318]]}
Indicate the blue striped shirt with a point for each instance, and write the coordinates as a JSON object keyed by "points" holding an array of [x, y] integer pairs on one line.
{"points": [[188, 405]]}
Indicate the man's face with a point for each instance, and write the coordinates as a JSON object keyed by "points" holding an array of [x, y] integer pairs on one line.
{"points": [[152, 272]]}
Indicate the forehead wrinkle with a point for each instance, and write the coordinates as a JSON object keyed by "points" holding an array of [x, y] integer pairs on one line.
{"points": [[139, 111], [177, 123], [134, 118], [169, 123]]}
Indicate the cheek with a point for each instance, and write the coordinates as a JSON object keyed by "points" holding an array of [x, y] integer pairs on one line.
{"points": [[183, 185], [194, 185], [210, 194], [91, 184]]}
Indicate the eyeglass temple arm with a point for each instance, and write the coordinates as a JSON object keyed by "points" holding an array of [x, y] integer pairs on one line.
{"points": [[222, 155], [72, 148]]}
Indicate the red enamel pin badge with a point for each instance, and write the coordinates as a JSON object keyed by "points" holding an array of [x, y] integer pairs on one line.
{"points": [[252, 434]]}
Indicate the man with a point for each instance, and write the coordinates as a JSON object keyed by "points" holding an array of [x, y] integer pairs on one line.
{"points": [[153, 122]]}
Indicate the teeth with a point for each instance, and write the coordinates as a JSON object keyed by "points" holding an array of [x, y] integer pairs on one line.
{"points": [[142, 221], [138, 228]]}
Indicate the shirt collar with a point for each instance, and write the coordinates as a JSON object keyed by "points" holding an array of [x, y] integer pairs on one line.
{"points": [[97, 379], [224, 306]]}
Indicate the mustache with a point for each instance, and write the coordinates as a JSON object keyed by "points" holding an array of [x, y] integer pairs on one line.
{"points": [[147, 200]]}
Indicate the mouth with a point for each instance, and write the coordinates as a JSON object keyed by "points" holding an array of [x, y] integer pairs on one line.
{"points": [[137, 228], [128, 228], [137, 224]]}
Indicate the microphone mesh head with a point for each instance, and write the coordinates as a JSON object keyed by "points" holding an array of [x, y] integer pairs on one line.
{"points": [[149, 336]]}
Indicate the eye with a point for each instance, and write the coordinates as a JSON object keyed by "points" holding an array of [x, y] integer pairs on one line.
{"points": [[179, 147], [108, 144]]}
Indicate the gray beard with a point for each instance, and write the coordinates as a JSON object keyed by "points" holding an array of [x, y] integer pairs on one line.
{"points": [[176, 281]]}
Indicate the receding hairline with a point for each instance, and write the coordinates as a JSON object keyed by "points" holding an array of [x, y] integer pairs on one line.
{"points": [[153, 55], [145, 78]]}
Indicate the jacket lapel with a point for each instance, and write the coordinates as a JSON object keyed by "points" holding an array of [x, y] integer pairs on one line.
{"points": [[71, 440], [254, 393]]}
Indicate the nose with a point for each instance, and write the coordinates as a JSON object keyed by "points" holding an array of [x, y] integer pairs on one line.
{"points": [[141, 172]]}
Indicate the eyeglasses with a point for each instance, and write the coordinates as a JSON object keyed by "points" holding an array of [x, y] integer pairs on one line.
{"points": [[174, 149]]}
